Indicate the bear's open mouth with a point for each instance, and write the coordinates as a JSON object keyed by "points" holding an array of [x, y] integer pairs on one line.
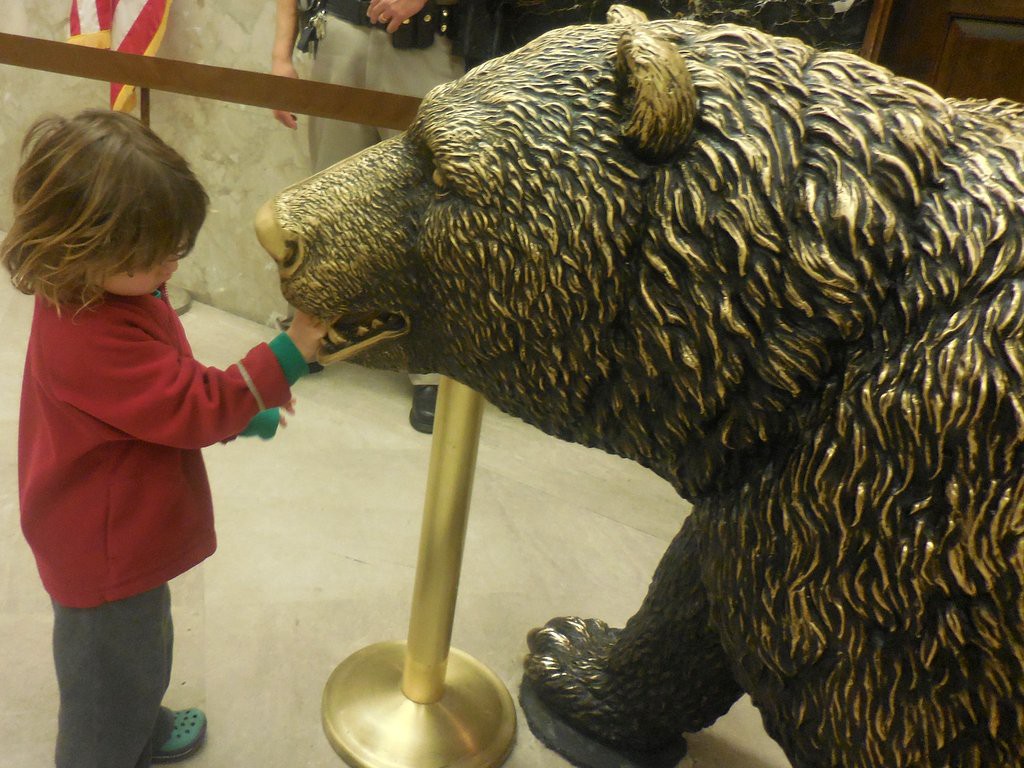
{"points": [[349, 335]]}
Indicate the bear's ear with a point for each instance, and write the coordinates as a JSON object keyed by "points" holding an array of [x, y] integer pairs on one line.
{"points": [[656, 91], [624, 14]]}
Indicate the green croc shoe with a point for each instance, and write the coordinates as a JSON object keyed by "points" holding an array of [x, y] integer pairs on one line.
{"points": [[185, 740]]}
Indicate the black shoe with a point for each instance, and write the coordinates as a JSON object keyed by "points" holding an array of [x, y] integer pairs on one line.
{"points": [[315, 367], [424, 401]]}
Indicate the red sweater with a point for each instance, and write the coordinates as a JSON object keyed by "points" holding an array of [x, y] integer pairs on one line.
{"points": [[114, 409]]}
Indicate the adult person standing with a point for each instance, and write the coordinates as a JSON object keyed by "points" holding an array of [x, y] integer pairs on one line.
{"points": [[395, 46]]}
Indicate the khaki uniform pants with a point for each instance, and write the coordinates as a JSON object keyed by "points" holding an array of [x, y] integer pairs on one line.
{"points": [[363, 57]]}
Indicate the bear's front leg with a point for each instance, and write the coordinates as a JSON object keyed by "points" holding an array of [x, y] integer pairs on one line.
{"points": [[637, 688]]}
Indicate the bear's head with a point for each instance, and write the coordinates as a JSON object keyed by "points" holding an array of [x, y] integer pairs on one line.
{"points": [[658, 238]]}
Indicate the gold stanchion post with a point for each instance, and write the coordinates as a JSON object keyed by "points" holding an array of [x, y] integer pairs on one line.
{"points": [[423, 704]]}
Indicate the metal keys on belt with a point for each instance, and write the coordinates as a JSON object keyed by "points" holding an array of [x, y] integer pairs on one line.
{"points": [[313, 25]]}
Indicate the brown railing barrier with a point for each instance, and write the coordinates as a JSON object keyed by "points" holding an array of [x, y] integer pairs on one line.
{"points": [[305, 97]]}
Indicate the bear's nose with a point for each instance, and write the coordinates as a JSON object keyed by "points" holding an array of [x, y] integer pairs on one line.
{"points": [[283, 246]]}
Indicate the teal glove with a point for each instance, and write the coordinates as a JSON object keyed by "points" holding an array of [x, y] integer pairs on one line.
{"points": [[263, 425]]}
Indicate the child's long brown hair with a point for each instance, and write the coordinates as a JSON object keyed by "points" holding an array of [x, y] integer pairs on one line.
{"points": [[97, 194]]}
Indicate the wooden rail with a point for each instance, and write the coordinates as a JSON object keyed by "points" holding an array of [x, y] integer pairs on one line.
{"points": [[305, 97]]}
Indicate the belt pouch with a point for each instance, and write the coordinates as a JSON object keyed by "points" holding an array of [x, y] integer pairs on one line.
{"points": [[417, 32]]}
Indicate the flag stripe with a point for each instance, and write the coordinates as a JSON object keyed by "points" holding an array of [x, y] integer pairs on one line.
{"points": [[90, 16], [145, 27], [128, 26], [74, 24], [135, 33], [126, 15]]}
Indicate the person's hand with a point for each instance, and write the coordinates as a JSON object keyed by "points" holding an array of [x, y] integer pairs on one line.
{"points": [[288, 408], [393, 12], [285, 69], [306, 332]]}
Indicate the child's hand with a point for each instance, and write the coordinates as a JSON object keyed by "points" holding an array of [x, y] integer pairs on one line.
{"points": [[288, 407], [306, 333]]}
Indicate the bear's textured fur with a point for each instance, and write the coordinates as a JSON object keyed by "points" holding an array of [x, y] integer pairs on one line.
{"points": [[787, 281]]}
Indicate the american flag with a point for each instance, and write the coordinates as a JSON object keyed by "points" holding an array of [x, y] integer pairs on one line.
{"points": [[129, 26]]}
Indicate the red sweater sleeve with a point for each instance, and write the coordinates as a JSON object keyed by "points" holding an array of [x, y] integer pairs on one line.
{"points": [[128, 365]]}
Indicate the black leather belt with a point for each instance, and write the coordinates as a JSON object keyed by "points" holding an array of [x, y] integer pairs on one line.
{"points": [[435, 18], [352, 11]]}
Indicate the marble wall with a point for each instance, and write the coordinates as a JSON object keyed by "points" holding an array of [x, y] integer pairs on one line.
{"points": [[240, 153]]}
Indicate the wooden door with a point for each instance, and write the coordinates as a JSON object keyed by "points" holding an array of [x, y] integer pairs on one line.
{"points": [[962, 48]]}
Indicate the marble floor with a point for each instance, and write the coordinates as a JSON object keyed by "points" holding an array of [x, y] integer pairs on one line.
{"points": [[319, 533]]}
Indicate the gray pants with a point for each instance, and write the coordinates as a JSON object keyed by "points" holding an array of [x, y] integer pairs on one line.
{"points": [[113, 668]]}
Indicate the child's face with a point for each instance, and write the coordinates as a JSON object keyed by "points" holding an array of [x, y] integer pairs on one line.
{"points": [[140, 282]]}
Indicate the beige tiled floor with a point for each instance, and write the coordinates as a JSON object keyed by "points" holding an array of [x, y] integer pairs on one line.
{"points": [[318, 541]]}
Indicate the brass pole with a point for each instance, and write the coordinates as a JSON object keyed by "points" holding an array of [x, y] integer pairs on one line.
{"points": [[425, 704], [442, 537]]}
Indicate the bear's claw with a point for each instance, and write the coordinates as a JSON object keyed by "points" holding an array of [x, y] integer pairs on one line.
{"points": [[568, 669]]}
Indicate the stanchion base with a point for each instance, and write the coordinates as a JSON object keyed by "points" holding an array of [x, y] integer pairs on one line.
{"points": [[179, 298], [371, 723]]}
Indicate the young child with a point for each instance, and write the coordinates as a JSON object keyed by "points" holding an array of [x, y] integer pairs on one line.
{"points": [[114, 411]]}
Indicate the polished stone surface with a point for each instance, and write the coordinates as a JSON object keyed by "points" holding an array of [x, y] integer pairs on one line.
{"points": [[318, 535], [240, 153]]}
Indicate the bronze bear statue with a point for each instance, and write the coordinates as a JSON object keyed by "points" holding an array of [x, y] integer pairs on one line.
{"points": [[787, 281]]}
